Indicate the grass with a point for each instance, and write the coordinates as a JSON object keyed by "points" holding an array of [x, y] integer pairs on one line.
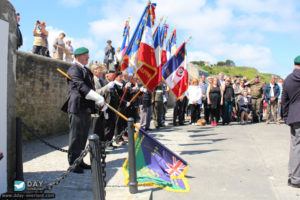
{"points": [[233, 71]]}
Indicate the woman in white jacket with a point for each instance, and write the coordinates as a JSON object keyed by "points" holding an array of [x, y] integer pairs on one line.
{"points": [[195, 99]]}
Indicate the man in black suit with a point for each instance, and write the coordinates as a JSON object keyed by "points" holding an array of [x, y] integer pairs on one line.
{"points": [[80, 105], [290, 100]]}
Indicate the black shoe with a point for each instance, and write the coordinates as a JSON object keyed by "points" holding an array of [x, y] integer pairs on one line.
{"points": [[162, 125], [85, 166], [175, 124], [157, 127], [78, 170], [181, 123], [148, 129], [292, 184]]}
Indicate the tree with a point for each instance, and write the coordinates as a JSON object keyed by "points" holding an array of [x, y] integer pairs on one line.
{"points": [[229, 63], [221, 63]]}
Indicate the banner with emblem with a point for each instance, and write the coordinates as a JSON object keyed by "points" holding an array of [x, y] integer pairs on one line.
{"points": [[175, 72], [157, 165]]}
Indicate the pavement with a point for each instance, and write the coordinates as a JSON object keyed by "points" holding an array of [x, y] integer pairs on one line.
{"points": [[225, 162]]}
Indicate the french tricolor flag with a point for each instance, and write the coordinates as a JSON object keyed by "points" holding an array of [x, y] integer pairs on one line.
{"points": [[147, 67], [175, 72], [125, 44], [171, 46], [157, 45]]}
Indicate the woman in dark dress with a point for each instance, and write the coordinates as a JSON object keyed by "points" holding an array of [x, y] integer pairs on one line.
{"points": [[228, 100], [245, 107], [214, 99]]}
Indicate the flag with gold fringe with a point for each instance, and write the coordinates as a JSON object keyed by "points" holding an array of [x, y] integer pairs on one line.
{"points": [[157, 165]]}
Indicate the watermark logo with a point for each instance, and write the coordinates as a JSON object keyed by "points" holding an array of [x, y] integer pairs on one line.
{"points": [[19, 186]]}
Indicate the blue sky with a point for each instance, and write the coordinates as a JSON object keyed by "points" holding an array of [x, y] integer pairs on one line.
{"points": [[259, 33]]}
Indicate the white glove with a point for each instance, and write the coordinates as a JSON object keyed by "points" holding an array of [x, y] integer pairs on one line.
{"points": [[106, 115], [143, 89], [127, 104], [111, 85], [128, 84], [94, 96], [104, 108]]}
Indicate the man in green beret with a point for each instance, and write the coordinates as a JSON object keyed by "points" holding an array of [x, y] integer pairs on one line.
{"points": [[82, 98], [290, 101]]}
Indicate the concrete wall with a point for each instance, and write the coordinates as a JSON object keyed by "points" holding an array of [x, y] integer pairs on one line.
{"points": [[7, 14], [41, 91]]}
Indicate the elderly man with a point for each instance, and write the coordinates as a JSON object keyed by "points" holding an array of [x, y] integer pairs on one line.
{"points": [[82, 98], [290, 100], [98, 119], [109, 52], [256, 93], [272, 93]]}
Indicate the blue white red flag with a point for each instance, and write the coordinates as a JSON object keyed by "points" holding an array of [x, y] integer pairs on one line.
{"points": [[125, 42], [130, 55], [146, 67], [171, 45], [175, 72], [157, 45]]}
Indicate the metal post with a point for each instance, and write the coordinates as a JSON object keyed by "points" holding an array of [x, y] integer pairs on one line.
{"points": [[97, 176], [19, 146], [132, 160]]}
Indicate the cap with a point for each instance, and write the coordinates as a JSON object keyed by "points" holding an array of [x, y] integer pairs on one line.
{"points": [[256, 76], [80, 51], [297, 60], [111, 71]]}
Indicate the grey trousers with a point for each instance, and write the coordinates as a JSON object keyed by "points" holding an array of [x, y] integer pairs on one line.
{"points": [[145, 115], [79, 130], [294, 162], [272, 106]]}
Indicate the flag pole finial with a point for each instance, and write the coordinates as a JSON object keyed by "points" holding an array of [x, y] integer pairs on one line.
{"points": [[189, 38]]}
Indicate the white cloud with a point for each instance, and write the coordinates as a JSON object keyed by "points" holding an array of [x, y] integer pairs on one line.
{"points": [[259, 57], [199, 55], [72, 3], [76, 42]]}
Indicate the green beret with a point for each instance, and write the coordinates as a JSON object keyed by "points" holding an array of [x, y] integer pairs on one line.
{"points": [[297, 60], [80, 51]]}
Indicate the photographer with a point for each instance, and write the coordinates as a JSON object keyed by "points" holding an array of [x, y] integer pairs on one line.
{"points": [[40, 43]]}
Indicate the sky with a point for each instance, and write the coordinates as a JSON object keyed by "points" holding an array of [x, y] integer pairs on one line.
{"points": [[259, 33]]}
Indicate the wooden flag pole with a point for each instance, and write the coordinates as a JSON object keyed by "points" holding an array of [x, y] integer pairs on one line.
{"points": [[109, 106]]}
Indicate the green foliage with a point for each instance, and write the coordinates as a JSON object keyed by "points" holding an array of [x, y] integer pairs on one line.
{"points": [[233, 71]]}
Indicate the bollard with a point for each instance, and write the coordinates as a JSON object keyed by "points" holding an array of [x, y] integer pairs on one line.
{"points": [[97, 176], [19, 159], [133, 189]]}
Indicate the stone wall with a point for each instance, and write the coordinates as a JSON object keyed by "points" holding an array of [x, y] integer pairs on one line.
{"points": [[41, 91]]}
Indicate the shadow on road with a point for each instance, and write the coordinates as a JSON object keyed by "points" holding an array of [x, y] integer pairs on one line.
{"points": [[198, 152]]}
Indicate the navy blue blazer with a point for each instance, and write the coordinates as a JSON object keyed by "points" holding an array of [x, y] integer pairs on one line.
{"points": [[243, 106], [80, 85], [290, 99], [267, 90]]}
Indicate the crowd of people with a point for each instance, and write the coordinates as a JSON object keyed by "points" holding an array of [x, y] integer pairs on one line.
{"points": [[226, 99]]}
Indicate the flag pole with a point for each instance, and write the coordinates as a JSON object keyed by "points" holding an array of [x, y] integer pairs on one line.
{"points": [[109, 106]]}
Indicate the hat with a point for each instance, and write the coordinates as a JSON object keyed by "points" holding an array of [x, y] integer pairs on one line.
{"points": [[256, 76], [297, 60], [111, 71], [80, 51]]}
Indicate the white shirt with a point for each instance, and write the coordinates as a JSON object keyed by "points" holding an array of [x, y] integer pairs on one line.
{"points": [[195, 94], [271, 90]]}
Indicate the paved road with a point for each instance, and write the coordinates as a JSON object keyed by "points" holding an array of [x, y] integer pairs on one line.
{"points": [[225, 162]]}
